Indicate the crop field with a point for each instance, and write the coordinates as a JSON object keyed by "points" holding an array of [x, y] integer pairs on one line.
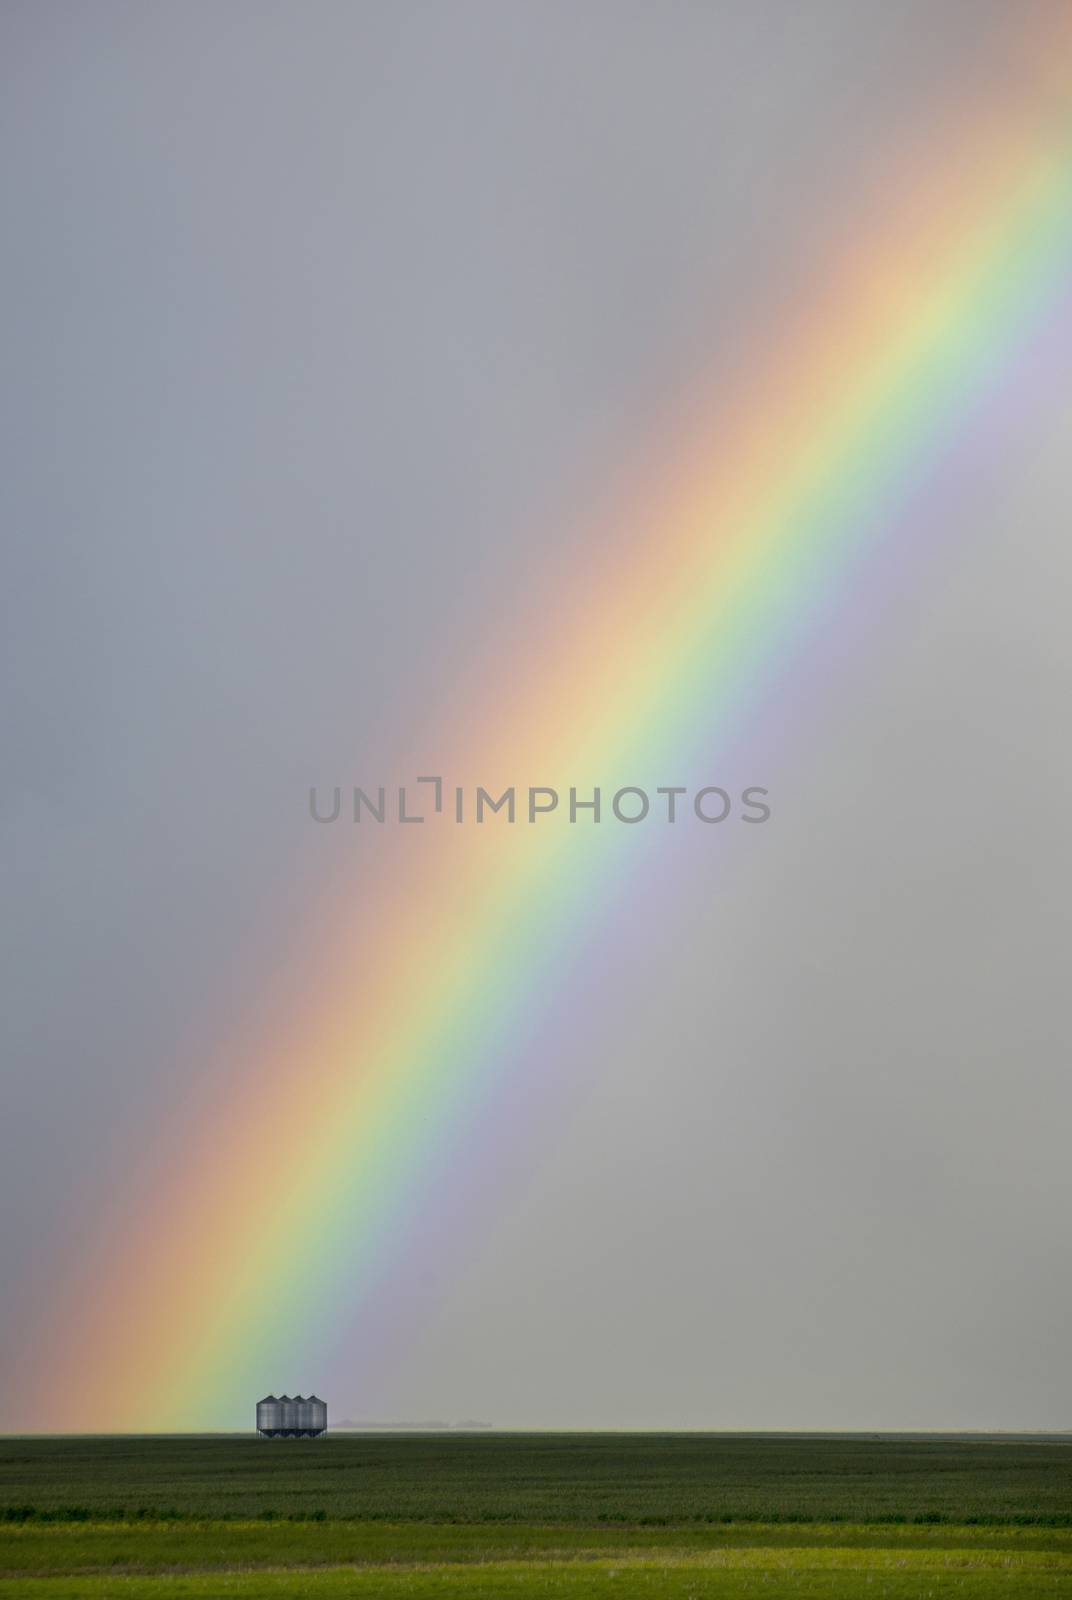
{"points": [[566, 1514]]}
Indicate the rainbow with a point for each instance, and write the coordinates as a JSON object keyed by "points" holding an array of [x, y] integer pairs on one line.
{"points": [[755, 516]]}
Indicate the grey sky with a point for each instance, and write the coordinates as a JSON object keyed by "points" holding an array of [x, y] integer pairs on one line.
{"points": [[323, 324]]}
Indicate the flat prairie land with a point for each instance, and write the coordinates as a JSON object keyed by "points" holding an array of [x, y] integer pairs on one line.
{"points": [[526, 1514], [547, 1477]]}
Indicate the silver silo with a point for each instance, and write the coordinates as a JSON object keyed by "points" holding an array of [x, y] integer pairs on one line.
{"points": [[269, 1415], [291, 1416]]}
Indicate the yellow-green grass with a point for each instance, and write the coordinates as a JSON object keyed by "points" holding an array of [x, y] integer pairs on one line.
{"points": [[58, 1548], [66, 1561], [808, 1573]]}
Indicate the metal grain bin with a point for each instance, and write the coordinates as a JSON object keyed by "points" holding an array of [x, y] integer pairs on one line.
{"points": [[291, 1416], [269, 1415]]}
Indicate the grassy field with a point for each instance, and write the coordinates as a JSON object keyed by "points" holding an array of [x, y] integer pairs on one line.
{"points": [[498, 1514], [545, 1477]]}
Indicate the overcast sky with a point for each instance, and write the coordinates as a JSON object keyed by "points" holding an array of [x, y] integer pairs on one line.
{"points": [[325, 325]]}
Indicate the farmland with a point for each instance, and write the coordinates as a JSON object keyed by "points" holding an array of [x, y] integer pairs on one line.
{"points": [[502, 1514]]}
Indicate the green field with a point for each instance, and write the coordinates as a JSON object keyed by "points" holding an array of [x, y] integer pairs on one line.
{"points": [[500, 1514]]}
